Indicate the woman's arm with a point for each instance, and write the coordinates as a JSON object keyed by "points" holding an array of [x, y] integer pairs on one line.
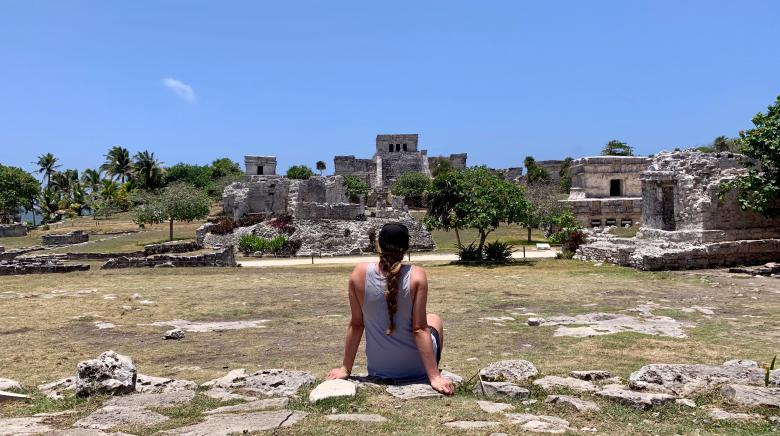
{"points": [[422, 336], [354, 328]]}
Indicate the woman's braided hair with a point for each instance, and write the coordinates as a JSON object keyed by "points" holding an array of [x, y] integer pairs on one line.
{"points": [[392, 246]]}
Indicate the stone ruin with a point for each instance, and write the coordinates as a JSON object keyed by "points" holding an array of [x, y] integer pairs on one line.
{"points": [[35, 266], [606, 190], [74, 237], [172, 255], [685, 225], [12, 230]]}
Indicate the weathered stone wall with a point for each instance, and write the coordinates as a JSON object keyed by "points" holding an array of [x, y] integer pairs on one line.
{"points": [[351, 166], [260, 165], [458, 161], [592, 175], [14, 252], [260, 194], [337, 211], [34, 266], [553, 167], [394, 165], [75, 237], [171, 247], [223, 257], [514, 175], [12, 230], [396, 143], [606, 211]]}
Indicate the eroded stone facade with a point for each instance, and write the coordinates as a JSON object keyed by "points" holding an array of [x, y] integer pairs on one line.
{"points": [[686, 224], [74, 237], [606, 190], [260, 165], [12, 230]]}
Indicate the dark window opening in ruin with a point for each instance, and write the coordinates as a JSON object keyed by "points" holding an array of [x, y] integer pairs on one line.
{"points": [[404, 147], [615, 188], [611, 222], [397, 147], [625, 222], [390, 148], [667, 208], [259, 170], [595, 223]]}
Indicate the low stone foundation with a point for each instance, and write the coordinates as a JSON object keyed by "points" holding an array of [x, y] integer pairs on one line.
{"points": [[171, 247], [75, 237], [34, 266], [771, 269], [12, 230], [223, 257], [79, 256], [14, 252]]}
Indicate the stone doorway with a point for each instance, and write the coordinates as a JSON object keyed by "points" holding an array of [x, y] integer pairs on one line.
{"points": [[667, 207]]}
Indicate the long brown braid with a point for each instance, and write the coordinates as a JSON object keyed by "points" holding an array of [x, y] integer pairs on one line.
{"points": [[390, 258]]}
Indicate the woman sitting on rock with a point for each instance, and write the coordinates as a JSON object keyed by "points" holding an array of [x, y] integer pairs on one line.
{"points": [[388, 301]]}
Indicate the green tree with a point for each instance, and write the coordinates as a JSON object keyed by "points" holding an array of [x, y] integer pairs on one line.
{"points": [[529, 162], [91, 180], [356, 187], [617, 148], [544, 206], [321, 166], [176, 202], [759, 189], [200, 176], [440, 165], [412, 186], [301, 172], [147, 170], [47, 203], [447, 191], [118, 164], [224, 167], [537, 175], [565, 175], [47, 165], [18, 189], [723, 143]]}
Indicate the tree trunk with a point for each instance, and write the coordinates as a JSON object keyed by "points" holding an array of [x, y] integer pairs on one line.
{"points": [[457, 238], [482, 237], [170, 233], [529, 234]]}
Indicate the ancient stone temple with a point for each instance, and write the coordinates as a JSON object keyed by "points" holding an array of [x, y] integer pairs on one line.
{"points": [[606, 191], [686, 224], [260, 165], [394, 156]]}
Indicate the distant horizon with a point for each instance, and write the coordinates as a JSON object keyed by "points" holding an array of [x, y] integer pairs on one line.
{"points": [[307, 80]]}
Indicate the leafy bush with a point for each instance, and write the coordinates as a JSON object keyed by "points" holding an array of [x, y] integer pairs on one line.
{"points": [[356, 187], [223, 226], [498, 251], [250, 243], [570, 240], [251, 219], [301, 172], [470, 253], [412, 186]]}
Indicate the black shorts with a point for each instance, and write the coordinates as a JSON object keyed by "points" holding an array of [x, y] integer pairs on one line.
{"points": [[435, 334]]}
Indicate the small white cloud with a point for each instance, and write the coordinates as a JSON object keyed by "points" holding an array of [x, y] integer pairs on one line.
{"points": [[183, 90]]}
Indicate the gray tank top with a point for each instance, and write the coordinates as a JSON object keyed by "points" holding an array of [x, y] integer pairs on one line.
{"points": [[392, 356]]}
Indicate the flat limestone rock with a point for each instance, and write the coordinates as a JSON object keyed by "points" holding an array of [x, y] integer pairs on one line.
{"points": [[469, 425], [230, 379], [157, 385], [752, 395], [552, 382], [12, 396], [17, 426], [206, 327], [575, 403], [6, 384], [640, 400], [597, 324], [722, 415], [224, 425], [539, 423], [688, 380], [360, 417], [515, 371], [501, 389], [225, 395], [252, 406], [276, 382], [163, 399], [491, 407], [109, 417], [591, 375], [742, 362], [420, 390], [85, 432], [58, 388], [685, 402], [332, 389]]}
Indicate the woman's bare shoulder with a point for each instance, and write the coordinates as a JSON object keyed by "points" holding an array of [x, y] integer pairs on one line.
{"points": [[418, 273]]}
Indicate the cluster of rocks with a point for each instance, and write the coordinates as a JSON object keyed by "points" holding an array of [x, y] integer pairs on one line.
{"points": [[12, 230], [221, 257], [266, 394], [70, 238], [15, 252], [171, 247], [36, 266], [771, 269]]}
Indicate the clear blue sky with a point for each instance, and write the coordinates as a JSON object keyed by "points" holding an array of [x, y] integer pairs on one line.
{"points": [[305, 80]]}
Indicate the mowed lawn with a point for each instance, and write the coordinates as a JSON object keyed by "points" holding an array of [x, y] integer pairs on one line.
{"points": [[48, 326]]}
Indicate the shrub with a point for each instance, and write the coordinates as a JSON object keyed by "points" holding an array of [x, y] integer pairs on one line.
{"points": [[283, 224], [356, 188], [251, 243], [470, 253], [251, 219], [498, 251], [223, 226], [412, 186], [301, 172], [570, 240]]}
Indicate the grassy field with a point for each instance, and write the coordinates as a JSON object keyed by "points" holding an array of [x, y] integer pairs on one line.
{"points": [[48, 326]]}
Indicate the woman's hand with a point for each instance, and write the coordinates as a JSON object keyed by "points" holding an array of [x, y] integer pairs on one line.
{"points": [[442, 385], [337, 373]]}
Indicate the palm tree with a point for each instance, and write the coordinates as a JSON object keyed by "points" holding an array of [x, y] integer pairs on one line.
{"points": [[47, 203], [59, 184], [47, 164], [91, 179], [321, 166], [117, 164], [147, 170], [108, 191]]}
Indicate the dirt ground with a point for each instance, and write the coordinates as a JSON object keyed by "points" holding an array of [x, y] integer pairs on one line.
{"points": [[48, 324]]}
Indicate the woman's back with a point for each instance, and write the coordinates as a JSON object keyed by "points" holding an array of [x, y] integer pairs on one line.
{"points": [[392, 356]]}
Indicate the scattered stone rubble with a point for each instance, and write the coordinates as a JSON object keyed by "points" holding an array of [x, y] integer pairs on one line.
{"points": [[771, 269], [221, 257], [34, 266], [685, 222]]}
